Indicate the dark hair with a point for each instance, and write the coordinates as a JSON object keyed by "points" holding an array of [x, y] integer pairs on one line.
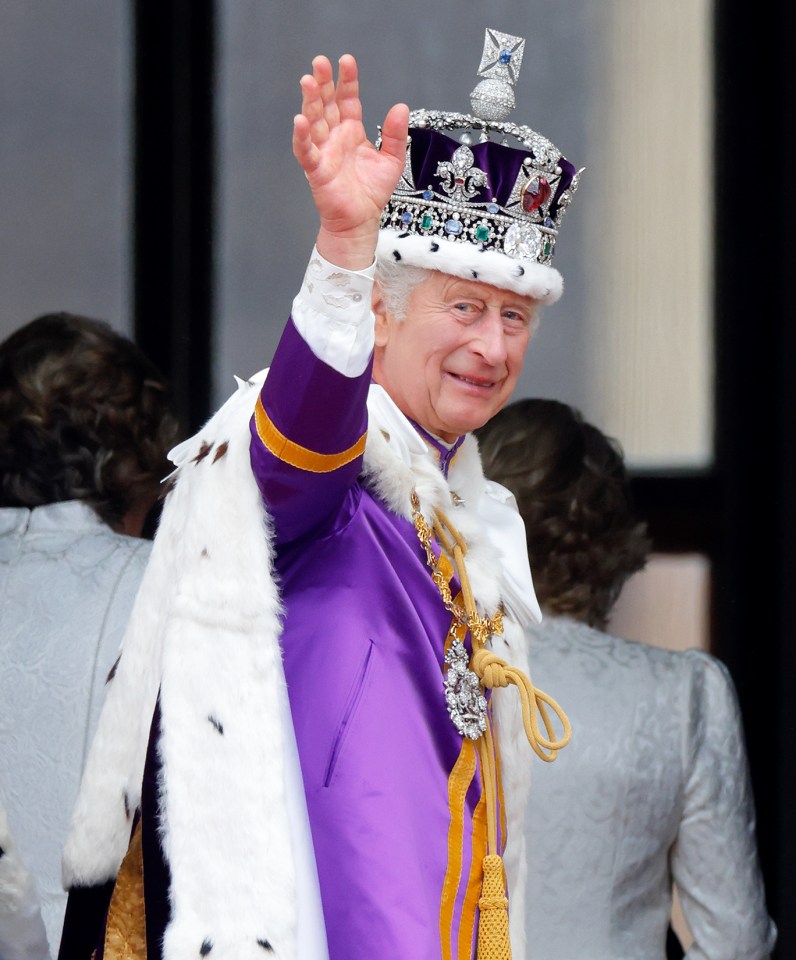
{"points": [[84, 415], [573, 492]]}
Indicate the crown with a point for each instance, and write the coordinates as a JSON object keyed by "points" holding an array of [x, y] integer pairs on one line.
{"points": [[480, 196]]}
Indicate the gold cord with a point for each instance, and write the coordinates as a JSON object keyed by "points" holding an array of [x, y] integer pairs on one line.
{"points": [[492, 671]]}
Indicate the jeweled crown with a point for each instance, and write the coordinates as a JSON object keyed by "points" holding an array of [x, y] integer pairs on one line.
{"points": [[481, 180]]}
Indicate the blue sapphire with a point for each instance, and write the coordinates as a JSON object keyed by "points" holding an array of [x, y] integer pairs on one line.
{"points": [[492, 208], [505, 56], [406, 217], [453, 226], [428, 194], [548, 222]]}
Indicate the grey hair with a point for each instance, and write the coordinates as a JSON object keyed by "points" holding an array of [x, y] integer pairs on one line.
{"points": [[396, 283]]}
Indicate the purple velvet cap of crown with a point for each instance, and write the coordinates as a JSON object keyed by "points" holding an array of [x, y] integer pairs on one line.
{"points": [[459, 208], [501, 164]]}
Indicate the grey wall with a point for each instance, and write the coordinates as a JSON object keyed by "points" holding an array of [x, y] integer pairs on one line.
{"points": [[65, 93], [426, 53]]}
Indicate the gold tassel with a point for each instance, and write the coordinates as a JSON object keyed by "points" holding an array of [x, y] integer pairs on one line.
{"points": [[493, 922]]}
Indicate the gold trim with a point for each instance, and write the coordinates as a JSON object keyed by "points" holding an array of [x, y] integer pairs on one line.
{"points": [[458, 784], [474, 881], [125, 932], [297, 456]]}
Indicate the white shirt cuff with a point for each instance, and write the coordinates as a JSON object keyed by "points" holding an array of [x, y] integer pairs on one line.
{"points": [[332, 313]]}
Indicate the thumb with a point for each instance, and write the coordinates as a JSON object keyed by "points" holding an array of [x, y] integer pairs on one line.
{"points": [[395, 131]]}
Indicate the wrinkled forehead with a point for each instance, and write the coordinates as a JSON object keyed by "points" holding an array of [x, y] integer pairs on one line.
{"points": [[453, 286]]}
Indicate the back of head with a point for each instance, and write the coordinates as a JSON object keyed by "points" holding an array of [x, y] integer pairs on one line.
{"points": [[84, 415], [573, 492]]}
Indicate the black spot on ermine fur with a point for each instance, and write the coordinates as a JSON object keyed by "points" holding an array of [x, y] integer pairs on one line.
{"points": [[203, 451], [207, 946], [221, 450], [395, 255], [217, 724], [112, 671], [434, 247], [265, 945]]}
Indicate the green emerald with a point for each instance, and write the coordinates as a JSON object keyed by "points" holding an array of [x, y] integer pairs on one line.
{"points": [[482, 233], [546, 252], [427, 222]]}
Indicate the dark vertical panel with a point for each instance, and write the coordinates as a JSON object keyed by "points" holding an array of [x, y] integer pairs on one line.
{"points": [[755, 565], [174, 178], [785, 192]]}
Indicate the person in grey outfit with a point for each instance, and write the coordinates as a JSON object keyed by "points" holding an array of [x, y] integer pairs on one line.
{"points": [[86, 421], [654, 788]]}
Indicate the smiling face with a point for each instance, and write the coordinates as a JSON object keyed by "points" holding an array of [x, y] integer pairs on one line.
{"points": [[454, 361]]}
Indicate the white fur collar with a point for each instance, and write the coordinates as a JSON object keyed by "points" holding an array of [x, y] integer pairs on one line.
{"points": [[397, 461]]}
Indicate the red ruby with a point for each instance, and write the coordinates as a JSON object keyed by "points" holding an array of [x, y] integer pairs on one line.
{"points": [[459, 180], [535, 193]]}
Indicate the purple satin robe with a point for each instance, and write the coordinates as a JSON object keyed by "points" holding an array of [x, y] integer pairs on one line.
{"points": [[363, 647]]}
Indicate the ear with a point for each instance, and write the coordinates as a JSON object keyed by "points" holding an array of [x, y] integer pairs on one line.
{"points": [[384, 319]]}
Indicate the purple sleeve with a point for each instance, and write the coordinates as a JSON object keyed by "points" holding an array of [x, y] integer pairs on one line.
{"points": [[307, 437]]}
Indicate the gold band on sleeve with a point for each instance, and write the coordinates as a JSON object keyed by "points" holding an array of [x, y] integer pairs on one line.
{"points": [[297, 456]]}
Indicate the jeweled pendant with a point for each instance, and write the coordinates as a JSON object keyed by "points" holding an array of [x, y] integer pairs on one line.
{"points": [[466, 704]]}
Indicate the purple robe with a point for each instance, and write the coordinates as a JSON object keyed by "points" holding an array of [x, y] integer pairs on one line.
{"points": [[392, 789]]}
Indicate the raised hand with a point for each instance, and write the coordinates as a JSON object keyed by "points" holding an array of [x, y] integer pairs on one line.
{"points": [[350, 180]]}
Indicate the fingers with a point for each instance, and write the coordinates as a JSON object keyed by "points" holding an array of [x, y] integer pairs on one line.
{"points": [[324, 77], [304, 150], [348, 100], [313, 107], [325, 105], [395, 130]]}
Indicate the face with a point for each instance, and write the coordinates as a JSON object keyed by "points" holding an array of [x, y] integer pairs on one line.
{"points": [[454, 361]]}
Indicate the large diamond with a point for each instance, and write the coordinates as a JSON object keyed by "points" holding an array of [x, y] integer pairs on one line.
{"points": [[523, 242]]}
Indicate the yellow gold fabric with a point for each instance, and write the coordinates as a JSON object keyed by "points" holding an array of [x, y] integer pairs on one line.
{"points": [[125, 933], [297, 456], [471, 897], [458, 784]]}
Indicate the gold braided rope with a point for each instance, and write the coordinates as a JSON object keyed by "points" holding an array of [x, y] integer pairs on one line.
{"points": [[492, 671]]}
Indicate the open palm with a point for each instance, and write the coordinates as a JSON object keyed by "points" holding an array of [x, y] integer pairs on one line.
{"points": [[350, 180]]}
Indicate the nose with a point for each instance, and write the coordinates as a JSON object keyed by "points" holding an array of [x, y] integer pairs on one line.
{"points": [[489, 338]]}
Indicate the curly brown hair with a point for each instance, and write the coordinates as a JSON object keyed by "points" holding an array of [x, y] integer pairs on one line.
{"points": [[573, 492], [84, 415]]}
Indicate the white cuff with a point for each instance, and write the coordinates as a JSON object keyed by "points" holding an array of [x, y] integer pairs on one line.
{"points": [[332, 313]]}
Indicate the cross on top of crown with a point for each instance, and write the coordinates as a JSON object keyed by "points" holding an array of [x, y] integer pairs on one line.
{"points": [[502, 56]]}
